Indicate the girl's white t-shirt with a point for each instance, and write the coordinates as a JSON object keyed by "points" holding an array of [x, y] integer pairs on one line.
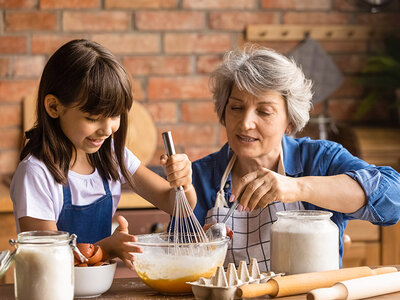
{"points": [[36, 194]]}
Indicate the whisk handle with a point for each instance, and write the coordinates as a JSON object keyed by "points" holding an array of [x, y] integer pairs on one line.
{"points": [[170, 148], [168, 143]]}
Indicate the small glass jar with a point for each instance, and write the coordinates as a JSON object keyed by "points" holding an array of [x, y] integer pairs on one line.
{"points": [[44, 265], [304, 241]]}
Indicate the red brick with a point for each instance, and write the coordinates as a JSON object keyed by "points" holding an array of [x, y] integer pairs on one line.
{"points": [[279, 46], [8, 161], [15, 91], [157, 65], [221, 4], [349, 88], [350, 63], [316, 18], [189, 135], [297, 4], [13, 4], [10, 115], [199, 112], [207, 63], [163, 112], [10, 137], [170, 20], [317, 109], [344, 5], [222, 137], [344, 46], [144, 43], [13, 44], [163, 88], [140, 3], [342, 109], [137, 89], [196, 43], [96, 21], [4, 67], [29, 21], [195, 153], [70, 4], [381, 19], [49, 43], [28, 66], [239, 20]]}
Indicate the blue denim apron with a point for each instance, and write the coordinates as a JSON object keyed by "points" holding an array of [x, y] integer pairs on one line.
{"points": [[91, 222]]}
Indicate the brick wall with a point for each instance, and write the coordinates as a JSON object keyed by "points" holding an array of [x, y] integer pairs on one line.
{"points": [[169, 47]]}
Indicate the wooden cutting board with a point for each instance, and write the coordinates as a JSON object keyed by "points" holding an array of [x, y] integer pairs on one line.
{"points": [[142, 133]]}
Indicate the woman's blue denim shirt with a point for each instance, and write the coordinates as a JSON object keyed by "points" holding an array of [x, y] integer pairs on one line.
{"points": [[306, 157]]}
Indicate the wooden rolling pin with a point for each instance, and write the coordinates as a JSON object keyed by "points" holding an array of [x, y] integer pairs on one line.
{"points": [[303, 283], [359, 288]]}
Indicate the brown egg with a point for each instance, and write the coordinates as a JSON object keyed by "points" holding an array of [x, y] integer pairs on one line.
{"points": [[86, 249], [83, 265], [96, 257]]}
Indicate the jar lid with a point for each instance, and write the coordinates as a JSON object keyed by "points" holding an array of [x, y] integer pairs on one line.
{"points": [[305, 214]]}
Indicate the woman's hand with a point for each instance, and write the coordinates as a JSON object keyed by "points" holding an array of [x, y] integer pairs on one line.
{"points": [[229, 231], [262, 187], [178, 170], [117, 245]]}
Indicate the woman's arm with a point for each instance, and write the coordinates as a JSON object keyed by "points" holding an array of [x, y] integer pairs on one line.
{"points": [[339, 192]]}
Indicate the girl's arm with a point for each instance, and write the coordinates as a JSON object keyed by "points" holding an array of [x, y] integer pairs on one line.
{"points": [[159, 191], [30, 224]]}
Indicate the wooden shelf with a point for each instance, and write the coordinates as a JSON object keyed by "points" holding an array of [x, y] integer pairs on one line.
{"points": [[283, 32]]}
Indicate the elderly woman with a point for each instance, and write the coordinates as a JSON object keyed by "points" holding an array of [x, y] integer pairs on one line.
{"points": [[261, 97]]}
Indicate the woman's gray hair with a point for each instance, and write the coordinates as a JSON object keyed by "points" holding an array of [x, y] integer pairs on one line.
{"points": [[256, 70]]}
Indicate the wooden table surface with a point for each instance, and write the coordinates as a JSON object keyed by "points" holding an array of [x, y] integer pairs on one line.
{"points": [[134, 289]]}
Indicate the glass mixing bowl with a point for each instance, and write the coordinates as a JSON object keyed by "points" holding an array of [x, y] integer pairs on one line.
{"points": [[166, 267]]}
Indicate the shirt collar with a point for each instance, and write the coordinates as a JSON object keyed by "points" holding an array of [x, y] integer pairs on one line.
{"points": [[291, 156]]}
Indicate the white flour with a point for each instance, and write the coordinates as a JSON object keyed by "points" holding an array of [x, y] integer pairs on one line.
{"points": [[301, 245], [44, 273]]}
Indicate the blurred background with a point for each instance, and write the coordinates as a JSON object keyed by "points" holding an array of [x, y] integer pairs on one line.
{"points": [[169, 47]]}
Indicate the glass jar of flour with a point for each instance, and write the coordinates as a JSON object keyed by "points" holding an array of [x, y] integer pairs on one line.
{"points": [[44, 265], [304, 241]]}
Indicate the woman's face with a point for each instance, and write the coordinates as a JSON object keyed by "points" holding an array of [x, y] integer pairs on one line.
{"points": [[85, 131], [255, 126]]}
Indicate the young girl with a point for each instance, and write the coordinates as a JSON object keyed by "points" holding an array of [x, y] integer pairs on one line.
{"points": [[75, 158]]}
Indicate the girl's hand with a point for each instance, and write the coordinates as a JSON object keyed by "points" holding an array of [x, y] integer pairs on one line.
{"points": [[117, 245], [178, 170], [262, 187], [229, 231]]}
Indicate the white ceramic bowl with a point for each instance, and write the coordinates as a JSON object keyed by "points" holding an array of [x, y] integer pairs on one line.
{"points": [[93, 281], [166, 267]]}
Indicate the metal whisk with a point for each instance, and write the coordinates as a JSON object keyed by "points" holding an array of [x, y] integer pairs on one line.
{"points": [[184, 227]]}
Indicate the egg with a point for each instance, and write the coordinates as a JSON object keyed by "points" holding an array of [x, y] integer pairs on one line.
{"points": [[93, 253]]}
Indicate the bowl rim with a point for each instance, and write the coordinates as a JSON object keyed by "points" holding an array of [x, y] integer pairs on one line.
{"points": [[222, 241]]}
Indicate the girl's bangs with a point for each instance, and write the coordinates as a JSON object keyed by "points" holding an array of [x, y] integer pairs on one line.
{"points": [[106, 91]]}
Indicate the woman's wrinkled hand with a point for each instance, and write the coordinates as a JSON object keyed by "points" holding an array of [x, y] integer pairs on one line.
{"points": [[118, 244], [229, 231], [178, 170], [263, 187]]}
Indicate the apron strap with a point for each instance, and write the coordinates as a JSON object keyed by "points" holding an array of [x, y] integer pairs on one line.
{"points": [[220, 201]]}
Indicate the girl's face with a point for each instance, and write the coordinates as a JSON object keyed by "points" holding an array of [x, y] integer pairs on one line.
{"points": [[85, 131], [255, 126]]}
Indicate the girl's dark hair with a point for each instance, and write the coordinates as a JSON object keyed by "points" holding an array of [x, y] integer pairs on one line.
{"points": [[81, 74]]}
